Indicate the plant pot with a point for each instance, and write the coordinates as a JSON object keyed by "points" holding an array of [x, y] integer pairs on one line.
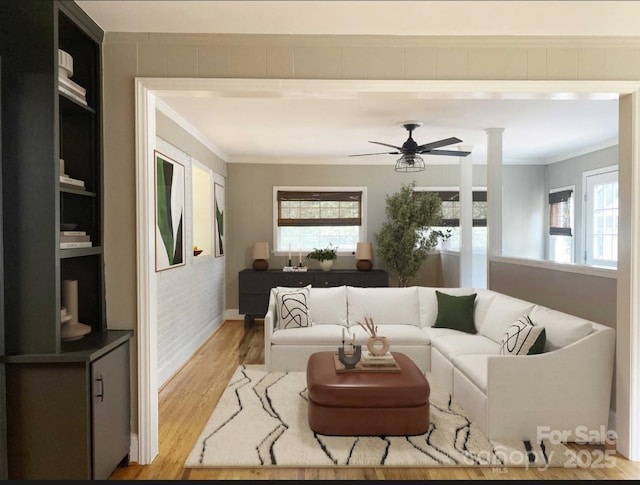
{"points": [[326, 265], [378, 345]]}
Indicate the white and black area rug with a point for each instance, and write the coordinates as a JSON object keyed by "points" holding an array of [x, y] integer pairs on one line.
{"points": [[261, 420]]}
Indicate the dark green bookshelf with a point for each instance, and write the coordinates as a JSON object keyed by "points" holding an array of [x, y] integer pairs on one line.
{"points": [[67, 402]]}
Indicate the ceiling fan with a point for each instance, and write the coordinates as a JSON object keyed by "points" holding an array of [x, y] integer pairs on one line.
{"points": [[411, 161]]}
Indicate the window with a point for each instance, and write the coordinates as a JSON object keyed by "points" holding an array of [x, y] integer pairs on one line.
{"points": [[451, 218], [601, 220], [561, 240], [308, 218]]}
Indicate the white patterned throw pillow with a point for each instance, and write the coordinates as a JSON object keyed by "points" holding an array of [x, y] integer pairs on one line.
{"points": [[523, 337], [292, 307]]}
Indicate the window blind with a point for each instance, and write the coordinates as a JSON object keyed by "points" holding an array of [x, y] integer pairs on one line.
{"points": [[560, 213], [451, 207], [300, 208]]}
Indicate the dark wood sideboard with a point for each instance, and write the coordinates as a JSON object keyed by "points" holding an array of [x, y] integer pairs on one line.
{"points": [[254, 286]]}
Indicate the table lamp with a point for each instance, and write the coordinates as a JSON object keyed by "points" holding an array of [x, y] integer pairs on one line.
{"points": [[260, 255], [364, 255]]}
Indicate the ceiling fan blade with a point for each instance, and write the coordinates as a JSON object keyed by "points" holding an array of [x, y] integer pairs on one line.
{"points": [[437, 144], [386, 145], [379, 153], [451, 153]]}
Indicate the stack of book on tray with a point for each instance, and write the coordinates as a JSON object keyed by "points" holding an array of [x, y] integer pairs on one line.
{"points": [[74, 239], [370, 360]]}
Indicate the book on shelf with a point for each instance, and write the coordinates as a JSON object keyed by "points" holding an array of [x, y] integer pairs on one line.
{"points": [[72, 86], [73, 245], [82, 238], [71, 182], [73, 233], [75, 97]]}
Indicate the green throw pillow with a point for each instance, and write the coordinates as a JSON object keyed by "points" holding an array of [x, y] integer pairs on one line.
{"points": [[455, 312]]}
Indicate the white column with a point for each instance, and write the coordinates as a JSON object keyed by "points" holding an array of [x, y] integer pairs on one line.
{"points": [[494, 196], [466, 219]]}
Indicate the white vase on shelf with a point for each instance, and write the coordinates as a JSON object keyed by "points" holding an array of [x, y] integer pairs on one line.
{"points": [[326, 265], [72, 329]]}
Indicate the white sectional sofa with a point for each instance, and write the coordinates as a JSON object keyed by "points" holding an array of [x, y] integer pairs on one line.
{"points": [[565, 389]]}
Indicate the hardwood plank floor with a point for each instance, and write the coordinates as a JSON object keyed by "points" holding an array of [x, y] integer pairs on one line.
{"points": [[188, 399]]}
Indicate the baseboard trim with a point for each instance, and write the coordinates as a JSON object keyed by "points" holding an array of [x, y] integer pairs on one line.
{"points": [[233, 314]]}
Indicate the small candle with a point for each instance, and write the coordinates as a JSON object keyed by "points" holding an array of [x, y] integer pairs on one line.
{"points": [[343, 335], [354, 339], [300, 256], [289, 251]]}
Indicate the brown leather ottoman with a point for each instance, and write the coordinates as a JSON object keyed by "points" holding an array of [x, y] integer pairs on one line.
{"points": [[367, 403]]}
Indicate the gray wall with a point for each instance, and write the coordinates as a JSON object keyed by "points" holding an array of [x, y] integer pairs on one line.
{"points": [[523, 209]]}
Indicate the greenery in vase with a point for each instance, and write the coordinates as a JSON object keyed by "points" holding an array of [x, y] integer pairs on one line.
{"points": [[405, 239], [323, 254]]}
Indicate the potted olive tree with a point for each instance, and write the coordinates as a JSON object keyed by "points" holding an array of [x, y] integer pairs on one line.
{"points": [[405, 239]]}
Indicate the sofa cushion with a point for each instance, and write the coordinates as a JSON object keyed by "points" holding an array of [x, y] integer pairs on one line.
{"points": [[523, 337], [385, 306], [429, 303], [433, 332], [502, 312], [396, 335], [452, 346], [292, 307], [314, 336], [328, 305], [561, 328], [455, 312]]}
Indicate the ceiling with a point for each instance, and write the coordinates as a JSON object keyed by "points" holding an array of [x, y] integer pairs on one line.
{"points": [[308, 129]]}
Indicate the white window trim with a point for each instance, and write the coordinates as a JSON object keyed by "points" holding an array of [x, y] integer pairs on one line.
{"points": [[309, 188], [585, 175]]}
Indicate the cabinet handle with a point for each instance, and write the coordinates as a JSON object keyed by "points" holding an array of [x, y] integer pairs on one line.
{"points": [[326, 283], [100, 394], [300, 283]]}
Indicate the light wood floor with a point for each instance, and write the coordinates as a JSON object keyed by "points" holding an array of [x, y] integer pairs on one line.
{"points": [[188, 399]]}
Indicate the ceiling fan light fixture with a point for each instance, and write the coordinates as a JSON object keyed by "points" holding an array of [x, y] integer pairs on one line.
{"points": [[410, 162]]}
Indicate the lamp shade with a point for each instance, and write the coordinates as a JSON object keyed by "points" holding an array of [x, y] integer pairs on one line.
{"points": [[364, 255], [364, 251], [260, 250]]}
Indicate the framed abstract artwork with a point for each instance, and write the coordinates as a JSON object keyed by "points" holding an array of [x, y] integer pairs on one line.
{"points": [[218, 200], [169, 208]]}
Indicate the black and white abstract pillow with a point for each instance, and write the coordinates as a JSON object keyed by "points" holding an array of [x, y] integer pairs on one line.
{"points": [[292, 307], [523, 337]]}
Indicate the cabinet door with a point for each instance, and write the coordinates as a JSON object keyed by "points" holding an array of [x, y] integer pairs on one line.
{"points": [[111, 413]]}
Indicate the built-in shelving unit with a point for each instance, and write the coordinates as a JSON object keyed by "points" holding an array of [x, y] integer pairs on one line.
{"points": [[68, 401]]}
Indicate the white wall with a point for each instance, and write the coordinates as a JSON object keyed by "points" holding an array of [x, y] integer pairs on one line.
{"points": [[190, 297]]}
